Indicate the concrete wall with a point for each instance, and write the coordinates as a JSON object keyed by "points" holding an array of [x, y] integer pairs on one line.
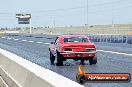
{"points": [[18, 72]]}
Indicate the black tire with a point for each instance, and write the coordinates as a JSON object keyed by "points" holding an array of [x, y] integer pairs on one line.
{"points": [[52, 58], [59, 60], [93, 60]]}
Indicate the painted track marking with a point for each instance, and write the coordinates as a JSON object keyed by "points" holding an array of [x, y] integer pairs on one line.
{"points": [[24, 40], [39, 42], [115, 52], [16, 39], [2, 37], [31, 41], [46, 43], [8, 38]]}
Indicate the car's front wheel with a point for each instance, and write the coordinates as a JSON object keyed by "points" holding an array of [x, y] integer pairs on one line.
{"points": [[93, 60], [52, 58], [59, 60]]}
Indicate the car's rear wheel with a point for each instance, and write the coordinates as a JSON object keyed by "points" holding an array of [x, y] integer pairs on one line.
{"points": [[52, 58], [93, 60], [59, 60]]}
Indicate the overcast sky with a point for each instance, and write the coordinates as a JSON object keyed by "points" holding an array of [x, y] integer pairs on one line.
{"points": [[66, 12]]}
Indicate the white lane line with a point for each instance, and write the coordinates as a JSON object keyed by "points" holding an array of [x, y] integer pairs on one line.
{"points": [[31, 41], [39, 42], [2, 37], [16, 39], [24, 40], [115, 52], [8, 38], [46, 43]]}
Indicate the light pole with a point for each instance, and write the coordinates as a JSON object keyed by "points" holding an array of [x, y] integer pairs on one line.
{"points": [[86, 25], [113, 22], [54, 21], [87, 15], [30, 26]]}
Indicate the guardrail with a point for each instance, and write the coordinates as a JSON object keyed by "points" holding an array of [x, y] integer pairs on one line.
{"points": [[18, 72]]}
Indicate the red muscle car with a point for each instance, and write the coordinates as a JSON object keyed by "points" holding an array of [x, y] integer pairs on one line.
{"points": [[76, 47]]}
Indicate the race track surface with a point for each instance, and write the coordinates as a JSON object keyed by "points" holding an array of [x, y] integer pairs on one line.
{"points": [[112, 57]]}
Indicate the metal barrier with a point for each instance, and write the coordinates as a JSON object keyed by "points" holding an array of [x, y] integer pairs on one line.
{"points": [[111, 38]]}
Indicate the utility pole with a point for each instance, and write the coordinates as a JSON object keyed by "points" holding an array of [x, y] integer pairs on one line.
{"points": [[87, 16], [113, 22], [30, 26], [54, 21]]}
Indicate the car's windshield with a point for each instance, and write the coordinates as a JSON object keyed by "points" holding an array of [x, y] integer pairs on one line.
{"points": [[76, 39]]}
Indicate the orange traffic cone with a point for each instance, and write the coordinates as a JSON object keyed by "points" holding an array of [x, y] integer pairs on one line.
{"points": [[50, 33]]}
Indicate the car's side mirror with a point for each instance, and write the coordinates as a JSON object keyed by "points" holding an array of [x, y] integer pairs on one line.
{"points": [[52, 43]]}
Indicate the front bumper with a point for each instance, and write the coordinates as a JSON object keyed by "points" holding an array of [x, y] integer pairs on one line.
{"points": [[78, 54]]}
